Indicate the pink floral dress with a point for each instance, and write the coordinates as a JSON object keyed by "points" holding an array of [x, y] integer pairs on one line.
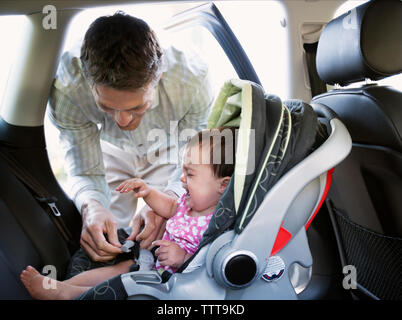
{"points": [[184, 230]]}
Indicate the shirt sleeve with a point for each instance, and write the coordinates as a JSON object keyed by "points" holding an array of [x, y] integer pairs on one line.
{"points": [[196, 119], [80, 140]]}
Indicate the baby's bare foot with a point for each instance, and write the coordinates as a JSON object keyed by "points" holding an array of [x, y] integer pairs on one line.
{"points": [[40, 287]]}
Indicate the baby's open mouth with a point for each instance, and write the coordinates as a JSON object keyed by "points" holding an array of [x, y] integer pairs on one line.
{"points": [[187, 197], [188, 201]]}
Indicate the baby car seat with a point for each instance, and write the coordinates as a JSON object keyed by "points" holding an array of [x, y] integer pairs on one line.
{"points": [[256, 246]]}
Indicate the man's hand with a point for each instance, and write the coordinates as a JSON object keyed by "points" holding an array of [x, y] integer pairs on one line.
{"points": [[170, 253], [154, 226], [96, 222]]}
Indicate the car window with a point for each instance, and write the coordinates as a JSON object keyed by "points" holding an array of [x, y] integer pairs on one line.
{"points": [[11, 28], [268, 59], [261, 29], [266, 52]]}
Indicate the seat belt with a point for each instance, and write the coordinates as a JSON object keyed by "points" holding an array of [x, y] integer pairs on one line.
{"points": [[316, 84], [40, 194]]}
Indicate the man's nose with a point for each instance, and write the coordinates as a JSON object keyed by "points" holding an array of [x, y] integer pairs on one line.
{"points": [[123, 118]]}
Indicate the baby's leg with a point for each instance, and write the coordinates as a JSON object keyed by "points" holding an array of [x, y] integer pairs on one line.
{"points": [[92, 277], [71, 288], [44, 288]]}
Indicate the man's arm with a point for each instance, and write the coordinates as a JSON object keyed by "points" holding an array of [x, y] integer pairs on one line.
{"points": [[83, 156], [84, 164]]}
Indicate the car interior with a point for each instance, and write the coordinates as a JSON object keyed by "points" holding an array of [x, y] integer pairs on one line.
{"points": [[341, 204]]}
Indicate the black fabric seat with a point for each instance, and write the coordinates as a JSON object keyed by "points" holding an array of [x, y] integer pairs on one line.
{"points": [[366, 193], [27, 234]]}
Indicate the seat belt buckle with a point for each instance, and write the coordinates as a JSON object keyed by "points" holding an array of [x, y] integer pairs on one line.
{"points": [[51, 202], [54, 209]]}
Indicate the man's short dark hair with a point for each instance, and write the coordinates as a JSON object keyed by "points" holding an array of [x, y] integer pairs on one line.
{"points": [[122, 52]]}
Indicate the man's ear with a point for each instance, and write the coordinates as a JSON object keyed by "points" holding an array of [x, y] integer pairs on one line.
{"points": [[224, 184]]}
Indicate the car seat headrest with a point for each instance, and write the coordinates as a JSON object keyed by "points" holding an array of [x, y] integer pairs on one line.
{"points": [[365, 42]]}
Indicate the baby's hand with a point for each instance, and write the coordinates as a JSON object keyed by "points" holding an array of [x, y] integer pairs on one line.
{"points": [[170, 254], [139, 187]]}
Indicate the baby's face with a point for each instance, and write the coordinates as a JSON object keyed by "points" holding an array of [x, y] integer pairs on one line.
{"points": [[203, 188]]}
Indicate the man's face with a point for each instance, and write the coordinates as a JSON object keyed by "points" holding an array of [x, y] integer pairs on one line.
{"points": [[126, 107]]}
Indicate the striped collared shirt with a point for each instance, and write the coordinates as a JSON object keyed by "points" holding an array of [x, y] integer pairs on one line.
{"points": [[183, 99]]}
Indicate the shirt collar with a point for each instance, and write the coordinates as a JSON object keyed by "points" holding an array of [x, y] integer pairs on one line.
{"points": [[164, 68], [156, 98]]}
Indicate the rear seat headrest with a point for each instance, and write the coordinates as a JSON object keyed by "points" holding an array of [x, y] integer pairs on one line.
{"points": [[365, 42]]}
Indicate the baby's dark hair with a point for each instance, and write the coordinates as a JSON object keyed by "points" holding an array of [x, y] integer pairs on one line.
{"points": [[222, 148]]}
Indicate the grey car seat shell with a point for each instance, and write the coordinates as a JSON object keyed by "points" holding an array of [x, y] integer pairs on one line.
{"points": [[208, 276]]}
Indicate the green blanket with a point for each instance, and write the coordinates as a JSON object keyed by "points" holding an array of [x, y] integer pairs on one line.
{"points": [[227, 107]]}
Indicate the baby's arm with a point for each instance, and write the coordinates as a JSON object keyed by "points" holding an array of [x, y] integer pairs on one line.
{"points": [[161, 203]]}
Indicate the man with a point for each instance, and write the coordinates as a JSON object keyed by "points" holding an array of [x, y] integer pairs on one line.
{"points": [[105, 103]]}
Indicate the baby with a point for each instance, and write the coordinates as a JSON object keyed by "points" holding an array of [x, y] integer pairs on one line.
{"points": [[208, 164]]}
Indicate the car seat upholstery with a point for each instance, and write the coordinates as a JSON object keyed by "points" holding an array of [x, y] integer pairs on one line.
{"points": [[365, 199], [27, 234]]}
